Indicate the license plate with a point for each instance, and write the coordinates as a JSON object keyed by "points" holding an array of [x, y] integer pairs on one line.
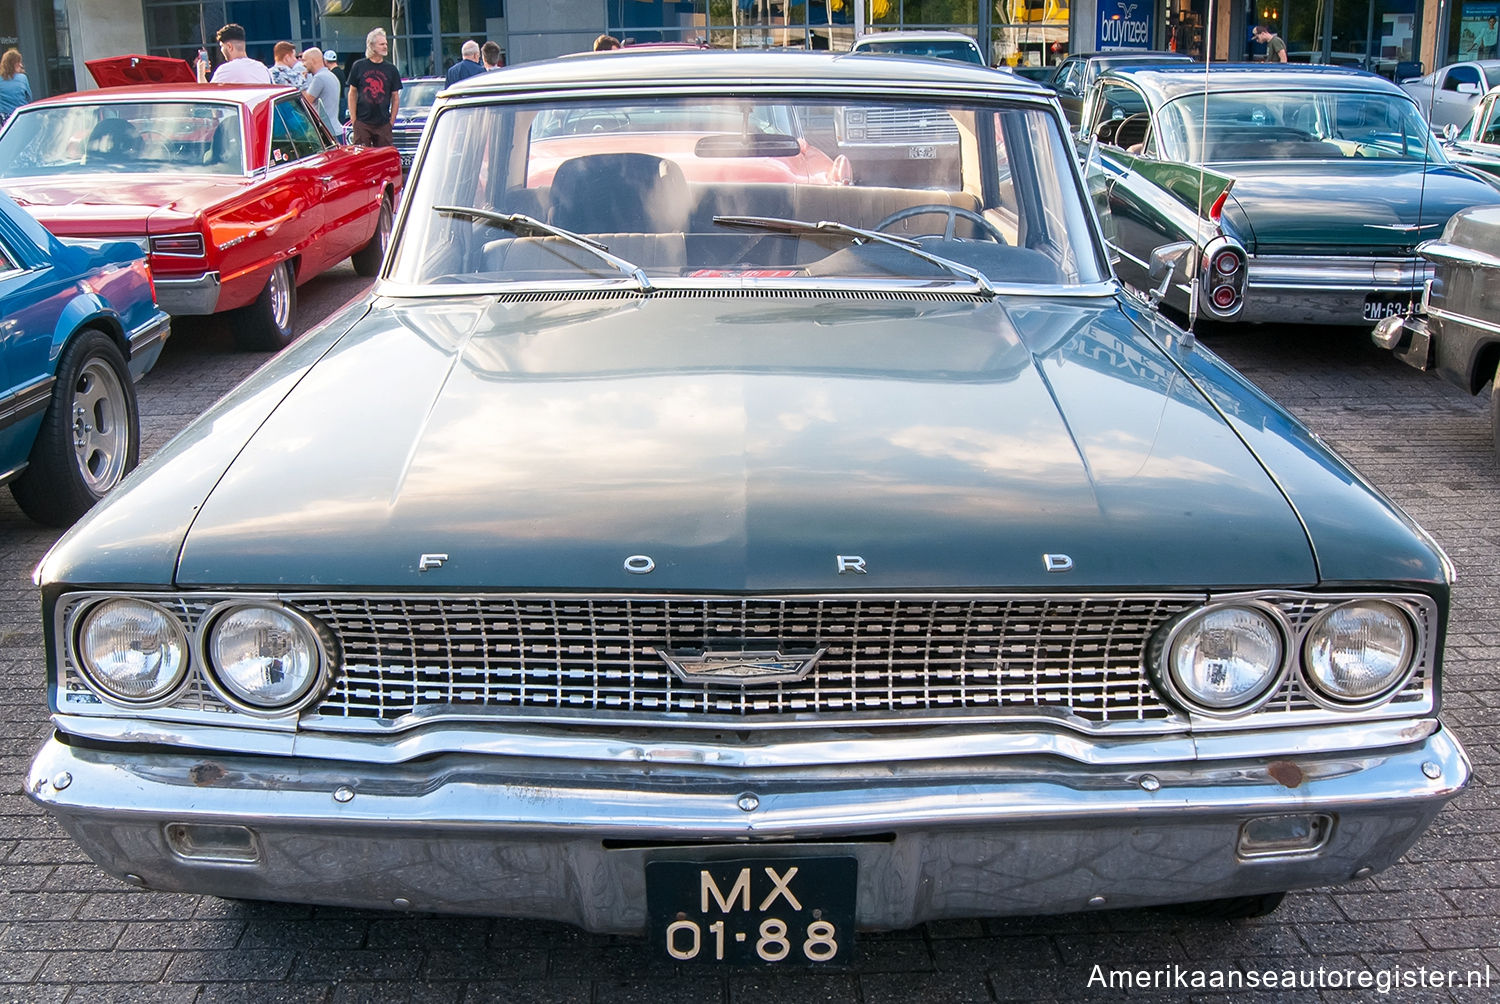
{"points": [[757, 911], [1380, 306], [921, 153]]}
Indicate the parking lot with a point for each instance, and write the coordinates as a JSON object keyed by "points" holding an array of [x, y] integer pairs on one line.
{"points": [[69, 932]]}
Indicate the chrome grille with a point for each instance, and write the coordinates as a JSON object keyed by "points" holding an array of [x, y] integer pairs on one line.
{"points": [[908, 125], [406, 655], [588, 659]]}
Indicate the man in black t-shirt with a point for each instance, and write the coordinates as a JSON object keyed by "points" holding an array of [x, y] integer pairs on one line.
{"points": [[374, 93]]}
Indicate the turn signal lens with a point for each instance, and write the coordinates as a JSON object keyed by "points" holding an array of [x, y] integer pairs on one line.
{"points": [[266, 657], [132, 651], [1359, 651], [183, 245], [1226, 263], [1225, 658]]}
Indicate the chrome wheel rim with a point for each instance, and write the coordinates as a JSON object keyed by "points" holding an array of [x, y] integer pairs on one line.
{"points": [[101, 426], [385, 227], [281, 298]]}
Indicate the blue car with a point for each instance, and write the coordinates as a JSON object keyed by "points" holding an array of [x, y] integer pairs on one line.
{"points": [[78, 326]]}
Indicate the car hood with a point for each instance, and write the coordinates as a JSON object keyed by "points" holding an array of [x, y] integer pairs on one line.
{"points": [[1332, 208], [85, 205], [744, 444]]}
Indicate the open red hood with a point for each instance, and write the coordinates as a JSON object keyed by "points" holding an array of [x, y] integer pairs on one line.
{"points": [[118, 71]]}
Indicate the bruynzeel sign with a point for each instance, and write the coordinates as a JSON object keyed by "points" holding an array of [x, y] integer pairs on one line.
{"points": [[1124, 24]]}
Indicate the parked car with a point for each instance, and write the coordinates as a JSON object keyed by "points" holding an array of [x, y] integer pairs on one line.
{"points": [[1447, 95], [239, 192], [1074, 78], [417, 96], [80, 326], [932, 44], [1335, 180], [775, 564], [1453, 329], [1477, 144]]}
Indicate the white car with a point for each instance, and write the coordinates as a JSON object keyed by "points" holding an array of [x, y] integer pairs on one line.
{"points": [[1447, 95]]}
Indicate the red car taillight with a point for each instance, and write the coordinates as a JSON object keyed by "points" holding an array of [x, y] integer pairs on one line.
{"points": [[181, 245], [1224, 297]]}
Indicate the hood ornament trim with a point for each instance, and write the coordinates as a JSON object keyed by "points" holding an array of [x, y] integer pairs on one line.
{"points": [[743, 668]]}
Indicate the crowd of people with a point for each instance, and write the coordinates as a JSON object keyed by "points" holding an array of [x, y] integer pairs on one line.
{"points": [[373, 82]]}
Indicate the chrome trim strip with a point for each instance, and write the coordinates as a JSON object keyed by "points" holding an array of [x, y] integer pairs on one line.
{"points": [[148, 334], [770, 287], [810, 748], [1448, 315], [27, 401], [1457, 254], [1327, 272]]}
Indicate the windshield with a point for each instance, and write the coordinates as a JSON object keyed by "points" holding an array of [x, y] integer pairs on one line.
{"points": [[1294, 125], [505, 191], [964, 52], [163, 137], [418, 95]]}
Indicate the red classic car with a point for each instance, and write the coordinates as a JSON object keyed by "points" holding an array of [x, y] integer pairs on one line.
{"points": [[238, 193]]}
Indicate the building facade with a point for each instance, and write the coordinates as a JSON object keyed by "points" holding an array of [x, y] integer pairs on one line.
{"points": [[57, 36]]}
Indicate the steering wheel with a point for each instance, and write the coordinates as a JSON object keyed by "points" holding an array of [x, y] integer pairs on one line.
{"points": [[953, 215]]}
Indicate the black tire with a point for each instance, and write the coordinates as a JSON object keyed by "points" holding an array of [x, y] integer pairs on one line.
{"points": [[90, 436], [367, 259], [1231, 908], [270, 323], [1495, 413]]}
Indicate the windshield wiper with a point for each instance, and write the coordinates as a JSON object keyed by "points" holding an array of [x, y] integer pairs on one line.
{"points": [[529, 226], [859, 234]]}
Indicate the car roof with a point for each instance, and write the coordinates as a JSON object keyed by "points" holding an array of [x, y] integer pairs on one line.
{"points": [[248, 94], [622, 69], [1171, 81], [922, 36]]}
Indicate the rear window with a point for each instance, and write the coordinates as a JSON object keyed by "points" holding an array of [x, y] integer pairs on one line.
{"points": [[962, 51]]}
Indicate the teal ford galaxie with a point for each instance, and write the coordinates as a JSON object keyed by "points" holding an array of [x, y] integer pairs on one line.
{"points": [[745, 562], [1327, 178]]}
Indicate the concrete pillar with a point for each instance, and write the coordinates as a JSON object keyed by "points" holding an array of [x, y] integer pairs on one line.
{"points": [[99, 28]]}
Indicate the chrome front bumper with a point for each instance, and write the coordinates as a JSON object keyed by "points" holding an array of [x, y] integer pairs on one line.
{"points": [[569, 841], [182, 297], [1294, 289]]}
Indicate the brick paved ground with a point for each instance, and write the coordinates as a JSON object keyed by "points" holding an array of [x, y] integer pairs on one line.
{"points": [[68, 932]]}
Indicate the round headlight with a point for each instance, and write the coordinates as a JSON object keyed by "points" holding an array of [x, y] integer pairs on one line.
{"points": [[266, 657], [132, 651], [1225, 658], [1359, 651]]}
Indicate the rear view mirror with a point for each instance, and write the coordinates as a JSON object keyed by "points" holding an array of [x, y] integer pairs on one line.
{"points": [[1450, 132], [1163, 265], [750, 145], [1467, 88]]}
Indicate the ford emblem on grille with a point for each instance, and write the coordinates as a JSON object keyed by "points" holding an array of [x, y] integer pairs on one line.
{"points": [[744, 668]]}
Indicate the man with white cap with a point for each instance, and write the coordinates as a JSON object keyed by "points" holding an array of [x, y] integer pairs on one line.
{"points": [[322, 88]]}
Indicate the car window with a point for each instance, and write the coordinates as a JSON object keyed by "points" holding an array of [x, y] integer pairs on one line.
{"points": [[1460, 75], [991, 185], [966, 52], [417, 95], [1295, 125], [1489, 123], [1070, 76], [158, 137], [293, 134], [8, 261]]}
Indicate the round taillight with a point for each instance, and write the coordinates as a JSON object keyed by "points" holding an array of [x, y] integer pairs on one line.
{"points": [[1226, 263], [1224, 297]]}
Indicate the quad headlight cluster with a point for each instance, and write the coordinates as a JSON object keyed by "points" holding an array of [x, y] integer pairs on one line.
{"points": [[1230, 658], [260, 657]]}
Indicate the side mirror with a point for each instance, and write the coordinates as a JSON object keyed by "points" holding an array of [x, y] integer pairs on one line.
{"points": [[1164, 265], [1450, 132], [1467, 88]]}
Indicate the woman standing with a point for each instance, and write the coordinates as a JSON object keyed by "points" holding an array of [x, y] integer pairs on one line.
{"points": [[15, 90]]}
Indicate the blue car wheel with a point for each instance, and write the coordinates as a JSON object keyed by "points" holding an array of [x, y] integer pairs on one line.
{"points": [[89, 438]]}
